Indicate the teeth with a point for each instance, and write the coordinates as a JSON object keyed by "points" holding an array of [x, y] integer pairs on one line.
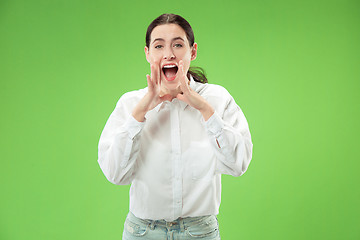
{"points": [[169, 66]]}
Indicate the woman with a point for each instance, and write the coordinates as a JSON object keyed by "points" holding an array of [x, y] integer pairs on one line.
{"points": [[172, 141]]}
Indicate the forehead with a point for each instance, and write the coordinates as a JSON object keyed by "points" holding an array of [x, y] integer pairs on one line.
{"points": [[167, 32]]}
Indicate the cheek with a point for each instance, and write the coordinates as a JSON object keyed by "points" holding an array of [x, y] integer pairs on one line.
{"points": [[154, 57], [184, 54], [186, 58]]}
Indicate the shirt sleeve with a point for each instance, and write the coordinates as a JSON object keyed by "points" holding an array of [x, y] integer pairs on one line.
{"points": [[119, 145], [231, 139]]}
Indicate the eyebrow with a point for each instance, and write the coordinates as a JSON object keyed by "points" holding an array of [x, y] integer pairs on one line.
{"points": [[174, 39]]}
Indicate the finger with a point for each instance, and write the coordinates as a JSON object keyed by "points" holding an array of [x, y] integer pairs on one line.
{"points": [[152, 72], [156, 73], [183, 83], [181, 63], [180, 72], [148, 79], [182, 98], [184, 77], [159, 73]]}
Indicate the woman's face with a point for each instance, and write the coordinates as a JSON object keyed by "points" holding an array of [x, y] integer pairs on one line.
{"points": [[169, 45]]}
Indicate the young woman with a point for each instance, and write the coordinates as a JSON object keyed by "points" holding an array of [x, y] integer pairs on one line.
{"points": [[172, 141]]}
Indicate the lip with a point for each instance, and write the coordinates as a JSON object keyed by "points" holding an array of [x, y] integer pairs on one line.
{"points": [[167, 64]]}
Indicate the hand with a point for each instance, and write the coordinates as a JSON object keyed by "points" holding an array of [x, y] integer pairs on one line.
{"points": [[152, 98], [191, 97]]}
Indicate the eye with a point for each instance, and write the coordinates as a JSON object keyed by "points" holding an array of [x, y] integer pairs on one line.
{"points": [[158, 46], [178, 45]]}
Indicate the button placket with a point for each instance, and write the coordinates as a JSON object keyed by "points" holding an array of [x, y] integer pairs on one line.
{"points": [[176, 158]]}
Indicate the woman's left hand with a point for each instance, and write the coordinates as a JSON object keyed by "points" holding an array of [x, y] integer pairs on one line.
{"points": [[191, 97]]}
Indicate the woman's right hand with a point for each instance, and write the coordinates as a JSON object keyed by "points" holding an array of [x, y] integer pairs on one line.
{"points": [[152, 98]]}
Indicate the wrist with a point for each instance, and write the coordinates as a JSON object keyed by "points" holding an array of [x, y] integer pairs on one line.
{"points": [[207, 112], [138, 114]]}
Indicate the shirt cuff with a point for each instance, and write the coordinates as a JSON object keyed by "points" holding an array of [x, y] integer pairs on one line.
{"points": [[214, 124], [133, 126]]}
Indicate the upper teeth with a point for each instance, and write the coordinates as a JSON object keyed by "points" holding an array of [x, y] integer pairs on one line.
{"points": [[169, 66]]}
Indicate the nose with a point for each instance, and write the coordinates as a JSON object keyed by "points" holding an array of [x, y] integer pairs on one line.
{"points": [[169, 55]]}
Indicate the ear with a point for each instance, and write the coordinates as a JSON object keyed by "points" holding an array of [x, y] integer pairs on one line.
{"points": [[194, 51], [147, 54]]}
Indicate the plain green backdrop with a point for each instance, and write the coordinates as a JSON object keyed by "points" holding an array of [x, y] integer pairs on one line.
{"points": [[292, 66]]}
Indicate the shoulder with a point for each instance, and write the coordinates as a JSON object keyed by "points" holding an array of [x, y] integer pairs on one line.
{"points": [[218, 96], [209, 89], [132, 96], [128, 100]]}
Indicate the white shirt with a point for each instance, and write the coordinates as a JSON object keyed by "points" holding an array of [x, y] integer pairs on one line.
{"points": [[172, 160]]}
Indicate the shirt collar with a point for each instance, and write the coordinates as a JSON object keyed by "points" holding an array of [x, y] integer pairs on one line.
{"points": [[183, 105]]}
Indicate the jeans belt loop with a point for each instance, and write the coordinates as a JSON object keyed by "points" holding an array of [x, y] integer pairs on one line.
{"points": [[182, 226], [152, 225]]}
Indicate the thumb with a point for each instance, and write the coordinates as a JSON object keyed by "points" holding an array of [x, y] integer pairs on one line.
{"points": [[181, 97]]}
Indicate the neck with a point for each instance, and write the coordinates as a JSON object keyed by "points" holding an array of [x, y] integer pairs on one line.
{"points": [[172, 92]]}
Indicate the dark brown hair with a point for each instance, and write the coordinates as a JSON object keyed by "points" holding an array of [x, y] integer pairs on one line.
{"points": [[197, 72]]}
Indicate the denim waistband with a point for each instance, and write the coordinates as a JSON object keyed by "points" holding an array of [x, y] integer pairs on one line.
{"points": [[181, 223]]}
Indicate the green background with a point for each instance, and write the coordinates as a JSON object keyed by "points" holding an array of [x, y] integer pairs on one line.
{"points": [[292, 66]]}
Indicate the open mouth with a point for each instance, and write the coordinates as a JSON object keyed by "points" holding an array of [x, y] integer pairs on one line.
{"points": [[170, 71]]}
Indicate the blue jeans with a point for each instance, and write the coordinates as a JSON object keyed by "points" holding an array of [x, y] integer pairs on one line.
{"points": [[205, 228]]}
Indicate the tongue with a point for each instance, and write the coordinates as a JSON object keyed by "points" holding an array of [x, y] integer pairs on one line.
{"points": [[170, 72]]}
